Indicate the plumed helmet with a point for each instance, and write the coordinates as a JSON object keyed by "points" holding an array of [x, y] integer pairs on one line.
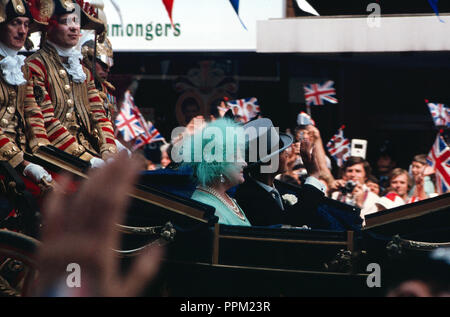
{"points": [[11, 9], [104, 51]]}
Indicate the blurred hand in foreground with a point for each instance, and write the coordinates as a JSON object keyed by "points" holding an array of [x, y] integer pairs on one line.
{"points": [[80, 228]]}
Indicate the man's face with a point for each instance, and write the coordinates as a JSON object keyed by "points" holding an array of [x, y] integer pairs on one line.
{"points": [[356, 173], [400, 184], [385, 165], [282, 163], [14, 33], [67, 32], [102, 70]]}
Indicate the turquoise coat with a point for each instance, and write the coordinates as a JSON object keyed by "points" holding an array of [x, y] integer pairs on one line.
{"points": [[225, 214]]}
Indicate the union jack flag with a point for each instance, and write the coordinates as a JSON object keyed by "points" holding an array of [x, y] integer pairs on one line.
{"points": [[317, 95], [152, 135], [440, 114], [247, 108], [439, 158], [339, 147], [127, 123]]}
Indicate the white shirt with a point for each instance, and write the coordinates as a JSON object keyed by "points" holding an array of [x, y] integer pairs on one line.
{"points": [[369, 205], [75, 69], [11, 65]]}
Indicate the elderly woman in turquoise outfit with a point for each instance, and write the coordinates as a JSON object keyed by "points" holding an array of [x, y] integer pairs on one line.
{"points": [[216, 155]]}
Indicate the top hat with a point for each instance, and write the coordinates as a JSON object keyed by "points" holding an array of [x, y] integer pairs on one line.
{"points": [[11, 9], [103, 51], [263, 141], [88, 14], [229, 114]]}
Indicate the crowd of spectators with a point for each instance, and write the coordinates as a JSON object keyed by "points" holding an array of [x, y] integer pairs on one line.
{"points": [[355, 183]]}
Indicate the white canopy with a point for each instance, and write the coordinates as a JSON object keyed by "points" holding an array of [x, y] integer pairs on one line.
{"points": [[336, 34]]}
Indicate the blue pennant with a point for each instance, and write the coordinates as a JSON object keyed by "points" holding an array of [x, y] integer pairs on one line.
{"points": [[434, 5], [235, 4]]}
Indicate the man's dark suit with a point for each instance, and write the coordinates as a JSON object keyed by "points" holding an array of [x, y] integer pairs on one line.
{"points": [[262, 209]]}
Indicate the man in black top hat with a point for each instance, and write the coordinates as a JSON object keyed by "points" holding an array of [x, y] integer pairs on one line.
{"points": [[21, 127], [267, 201]]}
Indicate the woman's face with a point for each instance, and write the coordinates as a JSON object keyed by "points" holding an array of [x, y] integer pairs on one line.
{"points": [[236, 175], [417, 168], [239, 179], [165, 159]]}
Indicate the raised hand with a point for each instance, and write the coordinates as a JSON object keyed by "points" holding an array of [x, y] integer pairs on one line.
{"points": [[359, 195], [309, 154], [80, 228]]}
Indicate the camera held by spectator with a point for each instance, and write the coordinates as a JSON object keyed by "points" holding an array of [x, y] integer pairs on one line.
{"points": [[348, 188]]}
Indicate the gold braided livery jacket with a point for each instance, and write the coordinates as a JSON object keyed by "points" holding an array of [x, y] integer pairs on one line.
{"points": [[21, 121], [109, 100], [73, 112]]}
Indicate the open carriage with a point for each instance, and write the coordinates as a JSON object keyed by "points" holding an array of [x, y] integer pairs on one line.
{"points": [[204, 258]]}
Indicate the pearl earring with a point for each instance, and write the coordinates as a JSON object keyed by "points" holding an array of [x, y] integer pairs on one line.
{"points": [[222, 179]]}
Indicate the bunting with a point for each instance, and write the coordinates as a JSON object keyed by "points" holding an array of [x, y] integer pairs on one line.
{"points": [[169, 5], [235, 4]]}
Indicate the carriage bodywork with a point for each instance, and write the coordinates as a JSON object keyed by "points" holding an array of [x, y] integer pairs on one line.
{"points": [[204, 258]]}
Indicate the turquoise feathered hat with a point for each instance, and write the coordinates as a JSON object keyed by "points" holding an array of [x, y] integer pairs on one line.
{"points": [[215, 150]]}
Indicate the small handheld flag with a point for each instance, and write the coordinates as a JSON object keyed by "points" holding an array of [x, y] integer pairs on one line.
{"points": [[339, 147], [152, 135], [317, 94], [247, 108], [439, 158], [440, 114], [127, 123]]}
